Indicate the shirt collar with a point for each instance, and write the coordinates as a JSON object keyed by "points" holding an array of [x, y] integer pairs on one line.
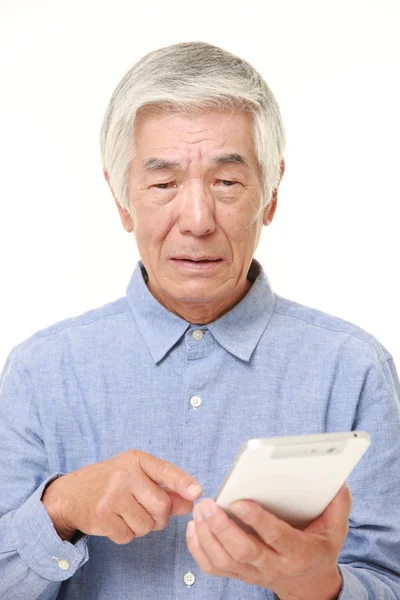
{"points": [[238, 331]]}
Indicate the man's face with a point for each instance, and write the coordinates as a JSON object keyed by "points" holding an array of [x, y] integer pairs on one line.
{"points": [[195, 197]]}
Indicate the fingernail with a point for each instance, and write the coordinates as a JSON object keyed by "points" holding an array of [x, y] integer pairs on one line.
{"points": [[193, 490], [240, 509], [190, 529]]}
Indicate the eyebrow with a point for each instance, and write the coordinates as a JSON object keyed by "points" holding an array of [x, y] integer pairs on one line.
{"points": [[155, 164]]}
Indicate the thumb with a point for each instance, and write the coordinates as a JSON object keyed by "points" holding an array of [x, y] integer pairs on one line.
{"points": [[338, 510], [336, 513], [179, 506]]}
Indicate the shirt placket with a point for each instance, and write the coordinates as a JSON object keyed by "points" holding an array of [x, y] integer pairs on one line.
{"points": [[199, 343]]}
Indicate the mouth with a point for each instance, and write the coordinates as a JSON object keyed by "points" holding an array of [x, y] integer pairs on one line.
{"points": [[197, 264], [199, 259]]}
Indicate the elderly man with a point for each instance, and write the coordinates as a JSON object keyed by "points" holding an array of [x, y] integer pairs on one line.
{"points": [[114, 422]]}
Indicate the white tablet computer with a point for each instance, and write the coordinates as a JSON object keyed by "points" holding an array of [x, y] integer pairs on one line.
{"points": [[294, 477]]}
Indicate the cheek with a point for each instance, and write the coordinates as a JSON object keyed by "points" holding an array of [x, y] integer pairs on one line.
{"points": [[239, 225], [152, 224]]}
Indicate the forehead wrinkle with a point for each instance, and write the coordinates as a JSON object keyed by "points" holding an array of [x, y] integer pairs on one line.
{"points": [[154, 163]]}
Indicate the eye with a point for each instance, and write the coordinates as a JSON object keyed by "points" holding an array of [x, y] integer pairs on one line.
{"points": [[227, 183], [163, 186]]}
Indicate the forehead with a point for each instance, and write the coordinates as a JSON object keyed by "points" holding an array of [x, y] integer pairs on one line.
{"points": [[167, 134]]}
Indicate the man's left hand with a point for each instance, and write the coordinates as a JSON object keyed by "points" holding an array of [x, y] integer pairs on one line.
{"points": [[295, 564]]}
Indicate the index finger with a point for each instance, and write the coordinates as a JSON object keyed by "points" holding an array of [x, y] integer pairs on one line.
{"points": [[165, 473]]}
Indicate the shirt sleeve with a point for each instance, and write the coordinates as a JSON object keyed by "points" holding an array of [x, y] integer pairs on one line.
{"points": [[369, 561], [33, 558]]}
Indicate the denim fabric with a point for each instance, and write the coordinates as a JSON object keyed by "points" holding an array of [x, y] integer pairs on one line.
{"points": [[121, 376]]}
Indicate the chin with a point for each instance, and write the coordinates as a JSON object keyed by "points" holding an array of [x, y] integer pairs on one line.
{"points": [[194, 297]]}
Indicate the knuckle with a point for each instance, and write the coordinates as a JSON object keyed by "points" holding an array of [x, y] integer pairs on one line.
{"points": [[119, 477], [163, 504], [129, 460], [161, 523], [143, 526], [164, 469], [131, 453]]}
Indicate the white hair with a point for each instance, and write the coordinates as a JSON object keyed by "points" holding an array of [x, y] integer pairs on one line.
{"points": [[190, 77]]}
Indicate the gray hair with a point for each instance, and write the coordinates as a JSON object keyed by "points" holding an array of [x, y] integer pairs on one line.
{"points": [[189, 77]]}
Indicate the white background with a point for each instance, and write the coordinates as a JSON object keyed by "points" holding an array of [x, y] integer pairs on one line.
{"points": [[333, 66]]}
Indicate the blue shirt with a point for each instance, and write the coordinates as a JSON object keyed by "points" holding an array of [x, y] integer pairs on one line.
{"points": [[122, 376]]}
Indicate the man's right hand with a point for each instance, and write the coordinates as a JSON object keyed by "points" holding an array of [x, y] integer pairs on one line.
{"points": [[120, 498]]}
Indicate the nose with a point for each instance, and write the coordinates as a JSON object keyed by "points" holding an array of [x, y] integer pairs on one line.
{"points": [[196, 210]]}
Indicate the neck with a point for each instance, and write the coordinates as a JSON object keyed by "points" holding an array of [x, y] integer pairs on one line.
{"points": [[201, 313]]}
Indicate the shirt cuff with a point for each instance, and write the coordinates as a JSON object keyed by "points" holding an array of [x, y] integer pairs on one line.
{"points": [[351, 586], [38, 543]]}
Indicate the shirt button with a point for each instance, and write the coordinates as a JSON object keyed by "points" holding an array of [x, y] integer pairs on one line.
{"points": [[197, 334], [189, 578], [195, 401], [63, 564]]}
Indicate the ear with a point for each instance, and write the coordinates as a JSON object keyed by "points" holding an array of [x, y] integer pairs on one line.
{"points": [[269, 210], [125, 216]]}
